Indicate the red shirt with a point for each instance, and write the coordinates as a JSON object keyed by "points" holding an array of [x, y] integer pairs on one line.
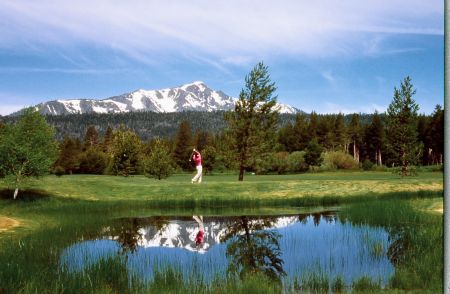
{"points": [[197, 159], [199, 237]]}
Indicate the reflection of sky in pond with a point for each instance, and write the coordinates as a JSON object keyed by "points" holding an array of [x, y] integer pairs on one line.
{"points": [[329, 247]]}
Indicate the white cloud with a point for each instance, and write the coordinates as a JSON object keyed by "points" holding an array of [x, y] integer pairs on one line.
{"points": [[225, 30]]}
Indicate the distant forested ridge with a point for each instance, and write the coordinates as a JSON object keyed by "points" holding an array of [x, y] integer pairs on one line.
{"points": [[149, 125]]}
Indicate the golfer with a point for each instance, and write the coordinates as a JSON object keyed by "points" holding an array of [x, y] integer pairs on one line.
{"points": [[198, 165]]}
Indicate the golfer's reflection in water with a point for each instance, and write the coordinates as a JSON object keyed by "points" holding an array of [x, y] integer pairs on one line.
{"points": [[200, 237]]}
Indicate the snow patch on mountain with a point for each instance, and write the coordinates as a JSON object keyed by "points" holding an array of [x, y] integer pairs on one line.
{"points": [[196, 96]]}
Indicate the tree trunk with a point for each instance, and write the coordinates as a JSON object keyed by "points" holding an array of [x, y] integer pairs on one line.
{"points": [[354, 150], [241, 173], [357, 154], [379, 162], [17, 184]]}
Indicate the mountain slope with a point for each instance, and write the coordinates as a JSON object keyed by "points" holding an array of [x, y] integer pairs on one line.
{"points": [[195, 96]]}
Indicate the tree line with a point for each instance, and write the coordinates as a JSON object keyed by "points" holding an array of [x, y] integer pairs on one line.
{"points": [[252, 139]]}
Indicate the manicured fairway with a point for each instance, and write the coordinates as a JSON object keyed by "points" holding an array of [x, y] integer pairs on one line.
{"points": [[226, 187]]}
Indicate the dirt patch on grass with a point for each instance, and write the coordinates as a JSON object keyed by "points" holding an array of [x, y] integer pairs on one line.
{"points": [[7, 223]]}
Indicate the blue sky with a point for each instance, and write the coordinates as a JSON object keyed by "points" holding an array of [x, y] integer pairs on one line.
{"points": [[329, 56]]}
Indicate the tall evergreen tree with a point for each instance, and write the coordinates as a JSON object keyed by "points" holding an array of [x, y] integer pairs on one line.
{"points": [[91, 138], [313, 126], [107, 139], [287, 138], [402, 127], [325, 135], [375, 139], [302, 135], [437, 133], [69, 152], [339, 133], [354, 133], [202, 139], [253, 123], [183, 145]]}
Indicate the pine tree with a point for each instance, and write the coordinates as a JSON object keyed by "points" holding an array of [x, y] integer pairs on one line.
{"points": [[253, 123], [302, 136], [209, 158], [287, 138], [91, 138], [339, 133], [159, 163], [183, 145], [402, 127], [108, 138], [354, 133], [437, 133], [375, 139], [68, 155], [202, 139], [313, 126]]}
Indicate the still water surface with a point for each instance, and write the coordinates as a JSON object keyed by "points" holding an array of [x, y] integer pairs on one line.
{"points": [[282, 246]]}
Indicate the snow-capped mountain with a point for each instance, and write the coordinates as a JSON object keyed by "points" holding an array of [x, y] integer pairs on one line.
{"points": [[195, 96], [181, 233]]}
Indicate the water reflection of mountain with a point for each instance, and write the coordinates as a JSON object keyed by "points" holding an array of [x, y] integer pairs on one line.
{"points": [[295, 246], [181, 232]]}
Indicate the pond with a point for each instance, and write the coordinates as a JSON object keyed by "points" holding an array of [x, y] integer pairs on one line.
{"points": [[284, 247]]}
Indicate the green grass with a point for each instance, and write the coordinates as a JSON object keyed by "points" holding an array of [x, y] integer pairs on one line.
{"points": [[55, 212], [226, 187], [417, 250]]}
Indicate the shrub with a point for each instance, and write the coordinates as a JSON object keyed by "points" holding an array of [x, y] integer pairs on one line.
{"points": [[281, 163], [313, 153], [296, 162], [159, 164], [338, 160], [367, 164], [58, 171], [92, 161]]}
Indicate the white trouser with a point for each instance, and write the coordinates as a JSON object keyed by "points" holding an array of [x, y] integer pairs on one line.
{"points": [[198, 176]]}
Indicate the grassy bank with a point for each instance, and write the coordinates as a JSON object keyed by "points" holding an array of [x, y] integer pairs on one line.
{"points": [[56, 212], [30, 261], [226, 187]]}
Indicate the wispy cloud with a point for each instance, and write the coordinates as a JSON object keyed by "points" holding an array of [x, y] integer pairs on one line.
{"points": [[327, 75], [90, 71], [223, 30]]}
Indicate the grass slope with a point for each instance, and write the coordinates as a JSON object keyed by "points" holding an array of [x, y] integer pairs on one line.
{"points": [[226, 187]]}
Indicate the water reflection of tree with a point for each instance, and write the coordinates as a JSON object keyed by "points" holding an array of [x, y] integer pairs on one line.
{"points": [[253, 249], [127, 232], [328, 216], [402, 240]]}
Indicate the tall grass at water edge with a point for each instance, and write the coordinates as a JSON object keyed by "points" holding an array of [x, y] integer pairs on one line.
{"points": [[31, 264], [417, 241]]}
